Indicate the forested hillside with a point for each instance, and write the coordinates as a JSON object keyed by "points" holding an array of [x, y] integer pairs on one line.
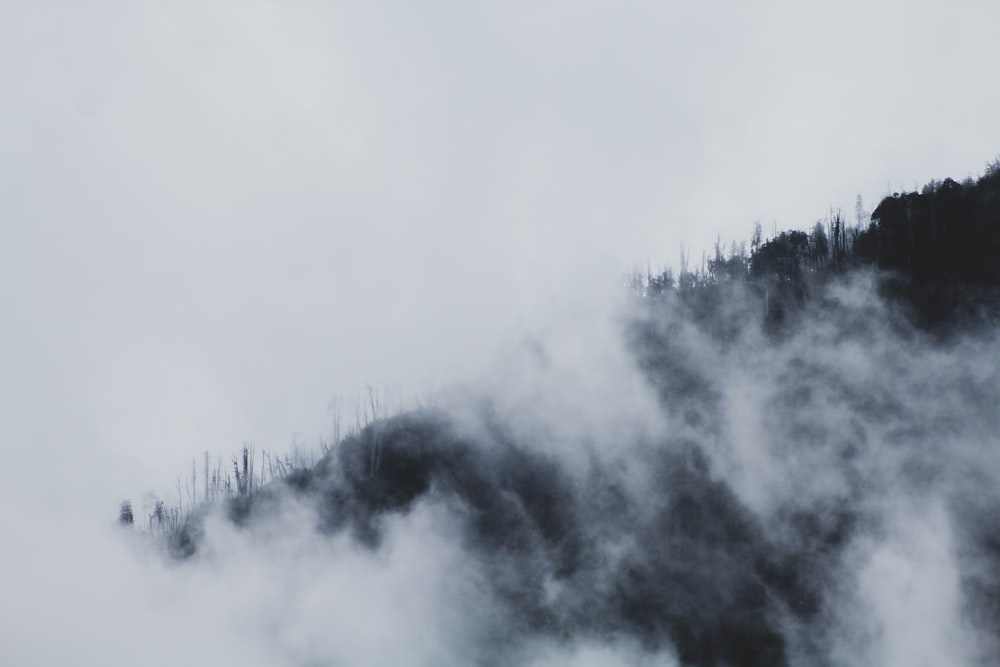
{"points": [[824, 446]]}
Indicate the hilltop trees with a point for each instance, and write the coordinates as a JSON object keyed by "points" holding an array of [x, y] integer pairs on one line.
{"points": [[938, 250], [949, 231]]}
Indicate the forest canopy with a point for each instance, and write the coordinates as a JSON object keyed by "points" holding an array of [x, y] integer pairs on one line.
{"points": [[733, 494], [937, 251]]}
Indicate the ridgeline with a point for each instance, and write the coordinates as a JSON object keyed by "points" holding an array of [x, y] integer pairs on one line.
{"points": [[786, 369]]}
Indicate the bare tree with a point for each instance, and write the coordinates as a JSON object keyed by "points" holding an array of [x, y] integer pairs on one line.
{"points": [[245, 474], [335, 409], [375, 428]]}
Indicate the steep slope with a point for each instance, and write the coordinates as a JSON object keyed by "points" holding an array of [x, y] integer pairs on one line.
{"points": [[823, 492]]}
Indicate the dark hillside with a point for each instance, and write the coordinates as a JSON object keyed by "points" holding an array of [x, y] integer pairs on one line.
{"points": [[934, 253], [826, 394], [694, 571]]}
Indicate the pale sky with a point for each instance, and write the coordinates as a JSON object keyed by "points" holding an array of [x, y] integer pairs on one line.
{"points": [[216, 216]]}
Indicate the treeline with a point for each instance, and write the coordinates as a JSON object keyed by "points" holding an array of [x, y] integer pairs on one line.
{"points": [[253, 473], [937, 250], [948, 231]]}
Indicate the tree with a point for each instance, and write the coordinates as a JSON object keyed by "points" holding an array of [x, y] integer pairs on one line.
{"points": [[819, 246], [839, 230], [125, 515], [992, 172]]}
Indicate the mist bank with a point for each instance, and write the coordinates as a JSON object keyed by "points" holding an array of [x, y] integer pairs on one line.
{"points": [[817, 496]]}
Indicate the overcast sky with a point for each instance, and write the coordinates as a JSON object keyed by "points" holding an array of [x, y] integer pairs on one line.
{"points": [[216, 216]]}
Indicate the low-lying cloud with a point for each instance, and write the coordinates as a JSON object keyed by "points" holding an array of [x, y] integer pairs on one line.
{"points": [[822, 494]]}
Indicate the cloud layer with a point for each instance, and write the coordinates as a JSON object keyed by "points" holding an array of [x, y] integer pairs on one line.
{"points": [[820, 495]]}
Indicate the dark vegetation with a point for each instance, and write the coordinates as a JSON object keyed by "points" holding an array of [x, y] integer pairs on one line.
{"points": [[693, 568], [936, 254]]}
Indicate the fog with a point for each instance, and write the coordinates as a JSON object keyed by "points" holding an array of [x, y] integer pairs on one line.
{"points": [[217, 217], [826, 496]]}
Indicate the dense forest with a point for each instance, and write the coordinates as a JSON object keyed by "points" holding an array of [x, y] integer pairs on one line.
{"points": [[819, 389], [937, 251]]}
